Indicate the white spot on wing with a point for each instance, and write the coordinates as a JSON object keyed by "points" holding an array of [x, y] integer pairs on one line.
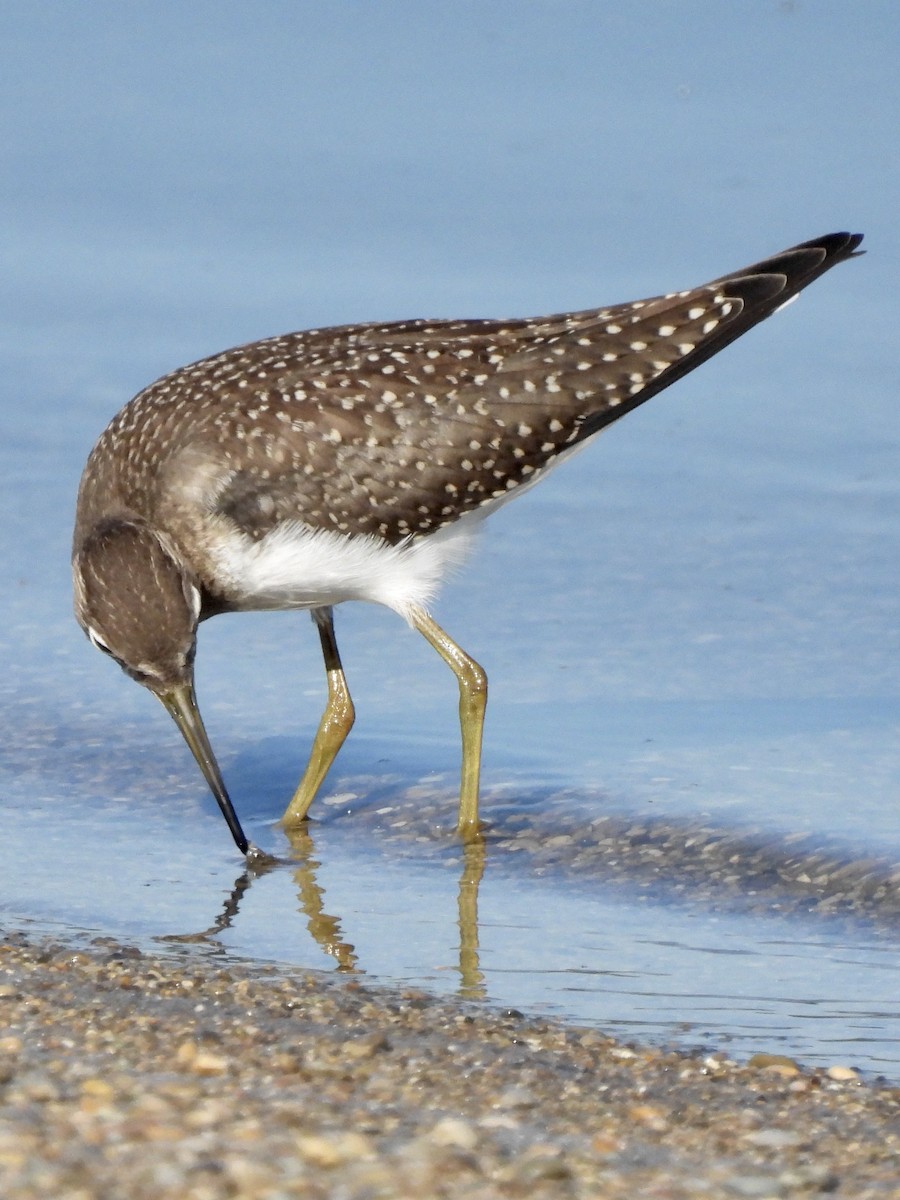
{"points": [[790, 300], [195, 600]]}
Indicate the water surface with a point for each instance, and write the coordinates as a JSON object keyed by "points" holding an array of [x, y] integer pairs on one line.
{"points": [[691, 630]]}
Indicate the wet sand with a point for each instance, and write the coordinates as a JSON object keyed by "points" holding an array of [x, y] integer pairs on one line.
{"points": [[127, 1074]]}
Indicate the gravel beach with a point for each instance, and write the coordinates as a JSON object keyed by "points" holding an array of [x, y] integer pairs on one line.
{"points": [[128, 1074]]}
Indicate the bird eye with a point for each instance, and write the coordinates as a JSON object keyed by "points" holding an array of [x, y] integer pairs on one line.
{"points": [[97, 640]]}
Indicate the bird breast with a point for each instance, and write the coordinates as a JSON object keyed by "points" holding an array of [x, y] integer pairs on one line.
{"points": [[295, 566]]}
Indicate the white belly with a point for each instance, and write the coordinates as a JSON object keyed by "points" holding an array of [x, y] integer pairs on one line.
{"points": [[298, 567]]}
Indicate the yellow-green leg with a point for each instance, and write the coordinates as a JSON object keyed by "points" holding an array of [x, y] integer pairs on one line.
{"points": [[472, 702], [336, 723]]}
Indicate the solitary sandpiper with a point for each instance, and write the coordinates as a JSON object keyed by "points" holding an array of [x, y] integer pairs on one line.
{"points": [[356, 463]]}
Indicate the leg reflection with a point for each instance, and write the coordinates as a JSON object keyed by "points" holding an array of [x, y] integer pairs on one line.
{"points": [[471, 979], [325, 929]]}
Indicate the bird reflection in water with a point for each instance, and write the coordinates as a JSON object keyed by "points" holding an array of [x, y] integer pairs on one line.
{"points": [[326, 929]]}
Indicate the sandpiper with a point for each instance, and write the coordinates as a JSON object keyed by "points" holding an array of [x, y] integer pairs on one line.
{"points": [[355, 463]]}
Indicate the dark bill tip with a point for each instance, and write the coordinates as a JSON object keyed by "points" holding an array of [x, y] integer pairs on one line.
{"points": [[181, 704]]}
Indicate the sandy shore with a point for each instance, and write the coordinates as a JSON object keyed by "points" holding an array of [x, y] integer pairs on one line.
{"points": [[131, 1075]]}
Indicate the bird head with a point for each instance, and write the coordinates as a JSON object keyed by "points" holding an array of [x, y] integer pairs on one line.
{"points": [[137, 603]]}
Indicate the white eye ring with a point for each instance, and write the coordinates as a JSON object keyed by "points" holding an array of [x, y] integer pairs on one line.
{"points": [[97, 640]]}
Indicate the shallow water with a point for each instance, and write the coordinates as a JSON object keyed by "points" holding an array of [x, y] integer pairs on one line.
{"points": [[680, 931], [691, 630]]}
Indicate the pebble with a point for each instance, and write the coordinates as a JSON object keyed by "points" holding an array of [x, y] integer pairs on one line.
{"points": [[195, 1079], [451, 1131], [843, 1074], [777, 1064]]}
